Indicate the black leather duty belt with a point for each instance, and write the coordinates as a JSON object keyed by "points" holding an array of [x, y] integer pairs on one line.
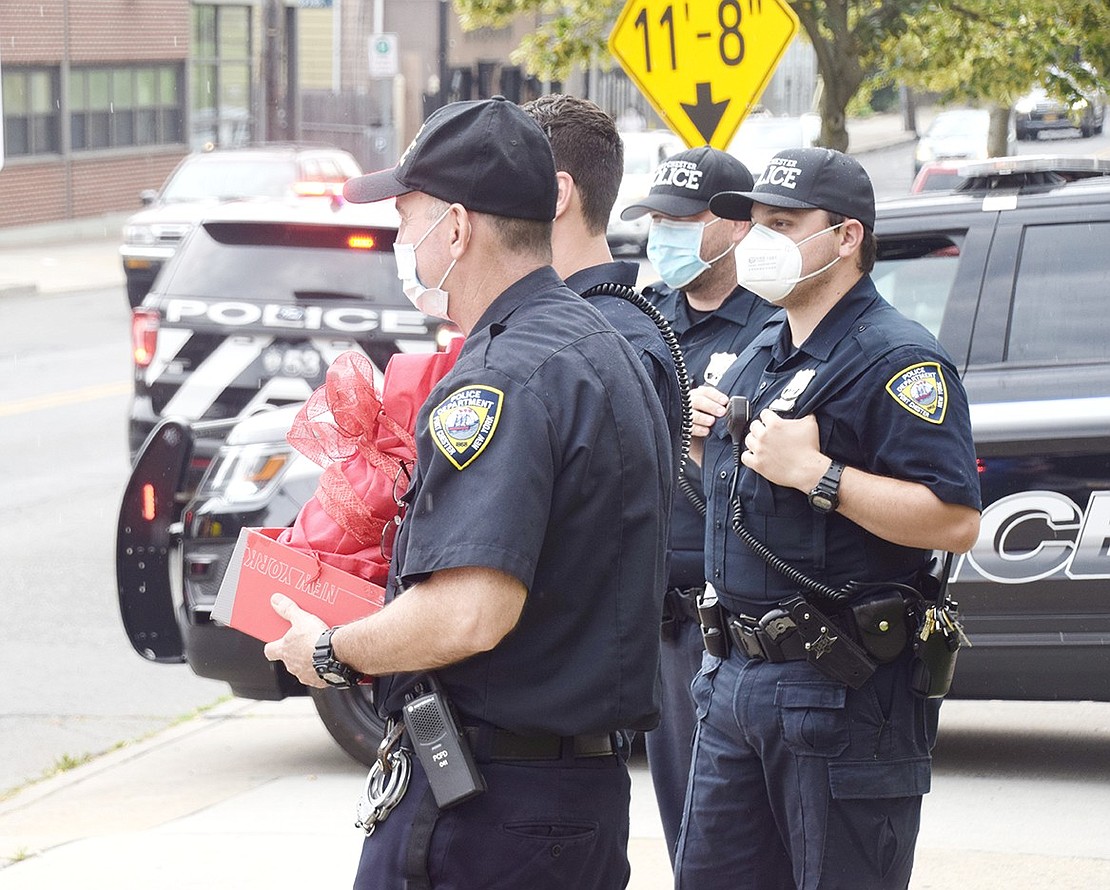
{"points": [[770, 639], [491, 743]]}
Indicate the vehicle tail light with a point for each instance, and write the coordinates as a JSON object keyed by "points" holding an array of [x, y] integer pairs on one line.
{"points": [[313, 189], [149, 502], [362, 241], [144, 336]]}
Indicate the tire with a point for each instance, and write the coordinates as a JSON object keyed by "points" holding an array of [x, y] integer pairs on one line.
{"points": [[349, 717]]}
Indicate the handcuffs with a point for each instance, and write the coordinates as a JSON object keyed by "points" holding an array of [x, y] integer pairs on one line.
{"points": [[387, 781]]}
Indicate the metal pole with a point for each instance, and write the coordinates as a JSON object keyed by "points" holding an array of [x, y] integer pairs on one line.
{"points": [[443, 52]]}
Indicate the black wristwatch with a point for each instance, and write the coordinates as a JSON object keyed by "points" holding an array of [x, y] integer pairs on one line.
{"points": [[825, 496], [328, 667]]}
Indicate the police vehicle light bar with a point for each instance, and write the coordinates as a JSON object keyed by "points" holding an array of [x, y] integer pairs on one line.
{"points": [[1019, 166]]}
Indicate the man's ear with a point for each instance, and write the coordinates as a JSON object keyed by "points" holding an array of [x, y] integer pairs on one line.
{"points": [[461, 230], [566, 189], [740, 228], [851, 237]]}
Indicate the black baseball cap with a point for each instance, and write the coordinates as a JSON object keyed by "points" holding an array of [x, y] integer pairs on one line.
{"points": [[806, 179], [683, 184], [487, 155]]}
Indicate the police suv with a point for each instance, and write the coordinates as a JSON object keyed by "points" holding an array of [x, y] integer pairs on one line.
{"points": [[1010, 271]]}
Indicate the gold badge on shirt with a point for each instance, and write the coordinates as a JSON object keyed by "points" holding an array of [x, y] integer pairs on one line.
{"points": [[463, 424]]}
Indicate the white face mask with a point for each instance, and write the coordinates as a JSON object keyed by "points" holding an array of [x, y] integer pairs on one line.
{"points": [[769, 264], [429, 300]]}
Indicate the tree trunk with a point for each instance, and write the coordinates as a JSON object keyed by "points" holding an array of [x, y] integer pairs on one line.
{"points": [[998, 136]]}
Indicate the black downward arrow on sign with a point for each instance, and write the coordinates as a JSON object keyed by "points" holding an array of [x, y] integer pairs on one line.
{"points": [[705, 114]]}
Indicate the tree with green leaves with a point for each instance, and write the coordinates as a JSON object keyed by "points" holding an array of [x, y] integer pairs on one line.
{"points": [[991, 52]]}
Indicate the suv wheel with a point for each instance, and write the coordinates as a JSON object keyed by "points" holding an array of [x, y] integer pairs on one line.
{"points": [[350, 718]]}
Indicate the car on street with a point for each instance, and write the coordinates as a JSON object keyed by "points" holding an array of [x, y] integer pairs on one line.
{"points": [[205, 179], [643, 152], [1037, 112], [961, 134]]}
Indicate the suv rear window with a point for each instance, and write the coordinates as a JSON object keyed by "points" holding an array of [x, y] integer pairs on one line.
{"points": [[264, 262], [915, 275], [1069, 262]]}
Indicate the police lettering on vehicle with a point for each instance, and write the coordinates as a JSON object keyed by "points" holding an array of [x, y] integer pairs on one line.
{"points": [[1031, 535], [347, 319], [682, 174], [921, 390], [463, 424]]}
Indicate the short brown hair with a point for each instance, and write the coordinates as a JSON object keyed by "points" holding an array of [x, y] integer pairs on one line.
{"points": [[586, 144]]}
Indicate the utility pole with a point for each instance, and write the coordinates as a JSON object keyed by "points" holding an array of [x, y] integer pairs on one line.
{"points": [[272, 80]]}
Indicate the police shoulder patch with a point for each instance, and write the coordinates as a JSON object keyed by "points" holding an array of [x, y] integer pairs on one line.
{"points": [[921, 390], [464, 422]]}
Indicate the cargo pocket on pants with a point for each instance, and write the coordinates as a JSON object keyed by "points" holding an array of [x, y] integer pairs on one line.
{"points": [[812, 717], [873, 779]]}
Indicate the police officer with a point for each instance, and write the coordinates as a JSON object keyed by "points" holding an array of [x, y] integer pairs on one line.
{"points": [[714, 319], [589, 160], [858, 461], [532, 545]]}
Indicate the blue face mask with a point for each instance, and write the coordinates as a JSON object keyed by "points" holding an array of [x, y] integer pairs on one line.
{"points": [[674, 249]]}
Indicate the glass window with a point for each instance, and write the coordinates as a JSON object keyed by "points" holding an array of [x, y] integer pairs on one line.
{"points": [[915, 275], [1066, 264], [31, 115], [221, 75], [127, 106]]}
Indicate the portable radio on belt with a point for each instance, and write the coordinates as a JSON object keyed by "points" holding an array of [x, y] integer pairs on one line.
{"points": [[441, 748]]}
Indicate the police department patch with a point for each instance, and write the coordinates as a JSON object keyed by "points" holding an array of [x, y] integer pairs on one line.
{"points": [[463, 423], [921, 390]]}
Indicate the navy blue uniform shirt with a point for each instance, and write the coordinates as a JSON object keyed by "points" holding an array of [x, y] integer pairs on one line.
{"points": [[709, 345], [544, 454], [640, 331], [888, 401]]}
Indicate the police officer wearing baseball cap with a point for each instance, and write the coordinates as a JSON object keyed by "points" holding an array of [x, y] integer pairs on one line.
{"points": [[713, 318], [533, 541], [811, 757]]}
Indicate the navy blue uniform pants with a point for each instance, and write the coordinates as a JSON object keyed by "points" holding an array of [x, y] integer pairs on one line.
{"points": [[670, 744], [540, 825], [801, 782]]}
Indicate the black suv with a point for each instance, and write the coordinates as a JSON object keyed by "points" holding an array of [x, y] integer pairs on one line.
{"points": [[256, 304], [1011, 272], [205, 179]]}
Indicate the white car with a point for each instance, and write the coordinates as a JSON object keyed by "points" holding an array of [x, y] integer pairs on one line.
{"points": [[643, 152], [961, 134], [760, 136]]}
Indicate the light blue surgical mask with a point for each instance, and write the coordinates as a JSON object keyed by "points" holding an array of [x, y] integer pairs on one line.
{"points": [[674, 249]]}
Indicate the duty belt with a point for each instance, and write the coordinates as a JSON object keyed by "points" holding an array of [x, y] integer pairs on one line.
{"points": [[493, 743], [773, 639], [679, 605]]}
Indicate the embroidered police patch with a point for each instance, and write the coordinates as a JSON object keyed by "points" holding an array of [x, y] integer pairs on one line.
{"points": [[921, 390], [463, 423]]}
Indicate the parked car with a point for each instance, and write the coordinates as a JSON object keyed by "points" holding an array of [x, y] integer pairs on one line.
{"points": [[254, 306], [961, 134], [643, 152], [760, 136], [936, 176], [1037, 111], [1010, 272], [207, 178]]}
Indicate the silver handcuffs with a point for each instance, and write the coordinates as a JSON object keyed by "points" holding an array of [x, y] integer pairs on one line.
{"points": [[387, 781]]}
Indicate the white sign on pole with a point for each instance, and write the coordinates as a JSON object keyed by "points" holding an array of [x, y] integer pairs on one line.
{"points": [[383, 55]]}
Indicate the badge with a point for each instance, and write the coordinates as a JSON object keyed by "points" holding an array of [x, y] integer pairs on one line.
{"points": [[463, 423], [790, 392], [921, 390], [719, 362]]}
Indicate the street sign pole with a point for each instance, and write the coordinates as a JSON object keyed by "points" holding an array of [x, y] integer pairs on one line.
{"points": [[702, 64]]}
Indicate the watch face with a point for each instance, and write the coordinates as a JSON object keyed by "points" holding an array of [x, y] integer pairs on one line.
{"points": [[821, 502]]}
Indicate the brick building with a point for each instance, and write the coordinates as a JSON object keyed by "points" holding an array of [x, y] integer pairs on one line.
{"points": [[102, 98]]}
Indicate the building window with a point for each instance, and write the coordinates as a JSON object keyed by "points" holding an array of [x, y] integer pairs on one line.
{"points": [[125, 106], [30, 111], [221, 76]]}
